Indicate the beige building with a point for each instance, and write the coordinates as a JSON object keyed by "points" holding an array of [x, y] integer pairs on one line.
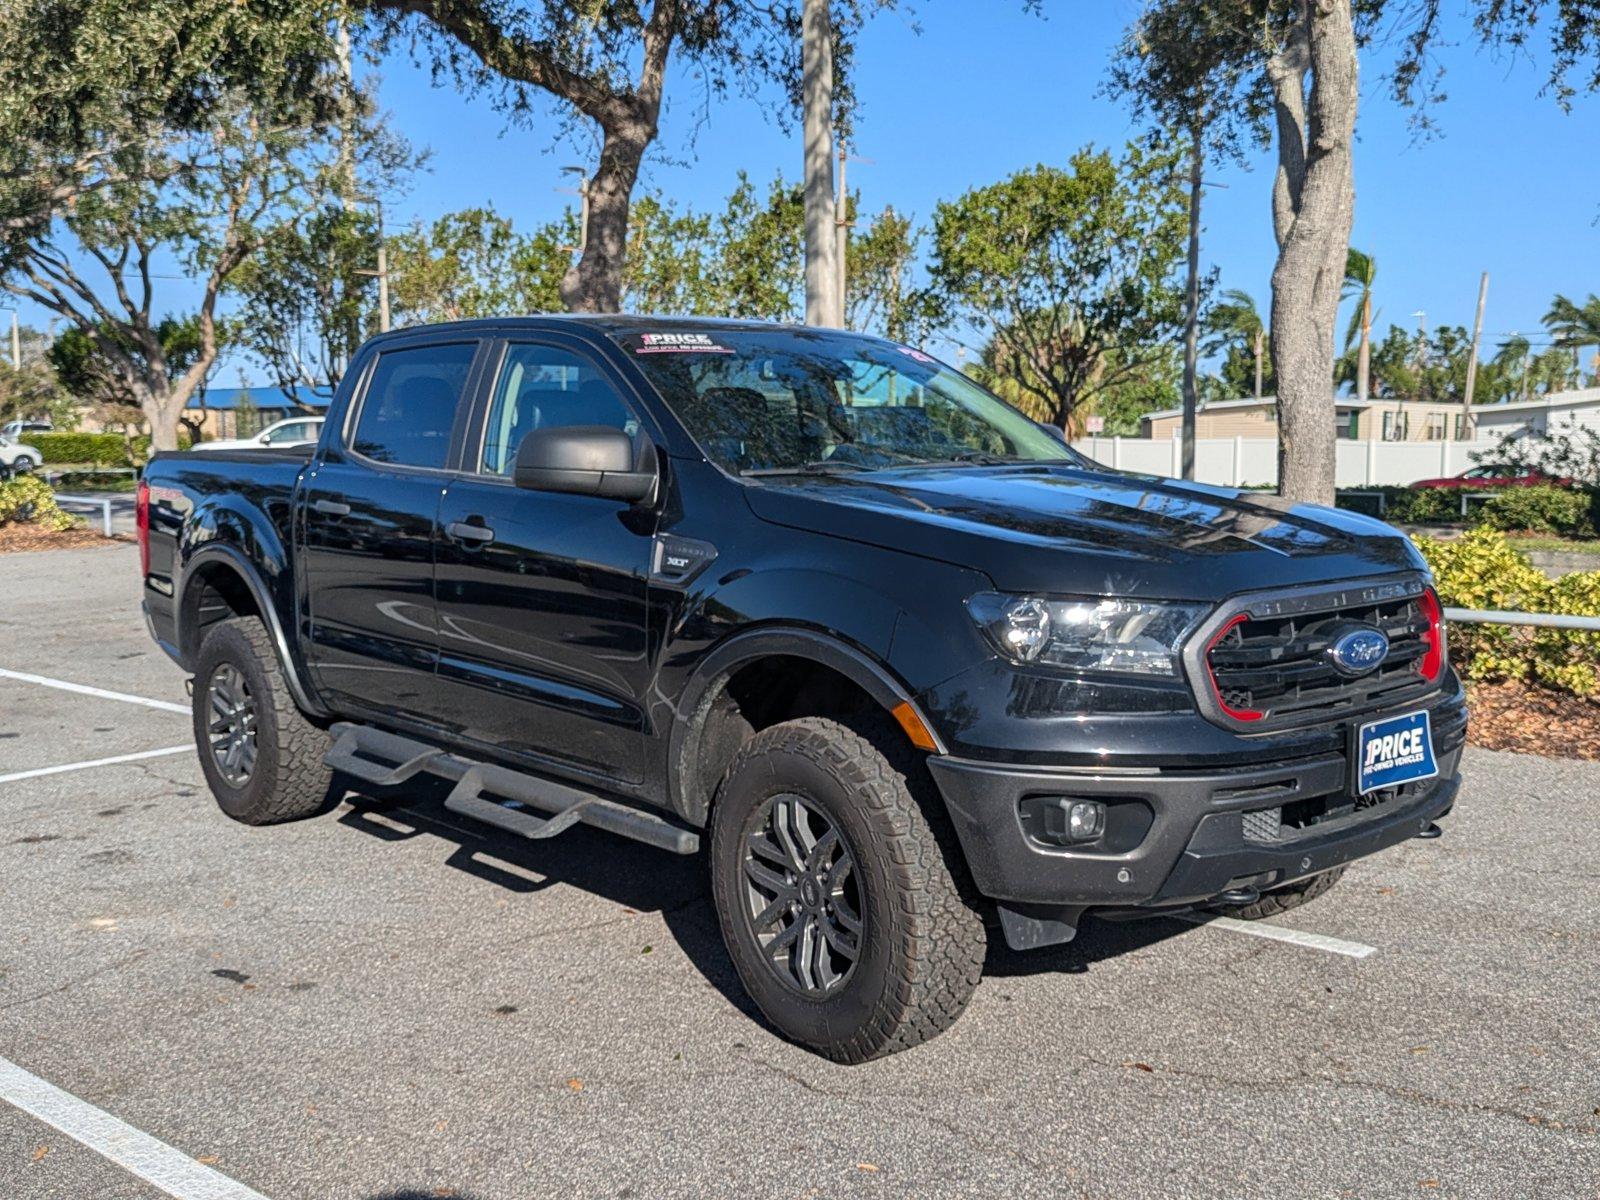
{"points": [[1357, 420]]}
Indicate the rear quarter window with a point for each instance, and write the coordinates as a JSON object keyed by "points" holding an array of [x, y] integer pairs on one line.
{"points": [[409, 409]]}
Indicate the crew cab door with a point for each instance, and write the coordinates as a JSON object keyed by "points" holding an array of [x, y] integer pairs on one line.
{"points": [[543, 598], [368, 511]]}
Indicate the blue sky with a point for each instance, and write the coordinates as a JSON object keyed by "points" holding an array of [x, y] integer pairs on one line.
{"points": [[1511, 184]]}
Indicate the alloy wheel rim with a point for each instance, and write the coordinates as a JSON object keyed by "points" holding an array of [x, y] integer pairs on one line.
{"points": [[231, 725], [803, 895]]}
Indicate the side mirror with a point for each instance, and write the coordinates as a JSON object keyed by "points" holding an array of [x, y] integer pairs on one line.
{"points": [[1054, 431], [587, 460]]}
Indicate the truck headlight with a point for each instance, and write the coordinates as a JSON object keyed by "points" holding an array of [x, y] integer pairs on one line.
{"points": [[1088, 633]]}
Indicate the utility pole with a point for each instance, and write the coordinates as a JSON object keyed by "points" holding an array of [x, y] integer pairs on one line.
{"points": [[16, 342], [383, 275], [824, 305], [1472, 359], [583, 205], [1191, 316], [842, 223]]}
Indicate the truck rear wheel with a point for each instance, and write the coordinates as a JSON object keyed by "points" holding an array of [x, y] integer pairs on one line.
{"points": [[260, 755], [1281, 900], [837, 905]]}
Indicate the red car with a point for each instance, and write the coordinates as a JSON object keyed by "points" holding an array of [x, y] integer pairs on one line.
{"points": [[1491, 476]]}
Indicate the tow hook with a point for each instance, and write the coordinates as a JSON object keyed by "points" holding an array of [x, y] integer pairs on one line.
{"points": [[1237, 896], [1430, 831]]}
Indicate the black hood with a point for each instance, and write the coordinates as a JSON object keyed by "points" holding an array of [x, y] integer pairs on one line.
{"points": [[1065, 529]]}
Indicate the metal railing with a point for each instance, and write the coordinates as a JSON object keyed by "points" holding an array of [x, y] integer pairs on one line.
{"points": [[102, 502], [1474, 616]]}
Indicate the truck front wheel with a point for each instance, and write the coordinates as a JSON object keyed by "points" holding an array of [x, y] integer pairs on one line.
{"points": [[838, 907], [260, 755]]}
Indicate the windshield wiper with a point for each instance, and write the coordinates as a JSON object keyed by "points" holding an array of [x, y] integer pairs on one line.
{"points": [[975, 458], [821, 466]]}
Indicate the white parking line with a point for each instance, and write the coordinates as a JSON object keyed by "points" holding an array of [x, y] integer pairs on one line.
{"points": [[85, 690], [157, 1163], [1276, 933], [95, 762]]}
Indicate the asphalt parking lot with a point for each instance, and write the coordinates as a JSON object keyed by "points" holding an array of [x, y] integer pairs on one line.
{"points": [[387, 1004]]}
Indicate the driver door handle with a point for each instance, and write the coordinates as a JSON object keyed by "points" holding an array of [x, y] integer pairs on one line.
{"points": [[331, 508], [464, 532]]}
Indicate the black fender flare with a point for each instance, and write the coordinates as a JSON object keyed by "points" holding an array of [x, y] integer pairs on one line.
{"points": [[234, 559], [714, 671]]}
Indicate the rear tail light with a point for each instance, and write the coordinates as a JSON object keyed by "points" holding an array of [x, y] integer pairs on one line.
{"points": [[141, 516], [1432, 662]]}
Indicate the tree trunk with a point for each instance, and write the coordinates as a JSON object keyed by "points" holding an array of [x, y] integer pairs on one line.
{"points": [[594, 282], [1313, 207], [163, 412], [1191, 316], [824, 305], [1364, 356]]}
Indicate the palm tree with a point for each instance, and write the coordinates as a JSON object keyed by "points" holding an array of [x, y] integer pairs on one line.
{"points": [[1233, 319], [1573, 326], [1360, 270], [1512, 358]]}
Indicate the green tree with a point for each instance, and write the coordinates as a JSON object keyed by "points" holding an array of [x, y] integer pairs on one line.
{"points": [[32, 390], [306, 298], [605, 66], [1235, 330], [879, 297], [1056, 268], [156, 148], [1360, 272], [474, 263], [1574, 326]]}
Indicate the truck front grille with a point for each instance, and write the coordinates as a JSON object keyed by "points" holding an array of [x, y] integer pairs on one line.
{"points": [[1272, 668]]}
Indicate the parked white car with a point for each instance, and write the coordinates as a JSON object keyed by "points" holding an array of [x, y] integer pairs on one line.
{"points": [[296, 431], [17, 458], [17, 430]]}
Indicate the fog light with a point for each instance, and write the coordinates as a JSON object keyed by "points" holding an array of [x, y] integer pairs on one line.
{"points": [[1086, 820]]}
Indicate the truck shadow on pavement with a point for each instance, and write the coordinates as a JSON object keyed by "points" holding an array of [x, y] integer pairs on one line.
{"points": [[647, 880]]}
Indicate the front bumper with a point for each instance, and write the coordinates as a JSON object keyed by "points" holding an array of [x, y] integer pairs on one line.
{"points": [[1208, 831]]}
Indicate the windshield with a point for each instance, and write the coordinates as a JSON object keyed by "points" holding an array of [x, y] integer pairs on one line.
{"points": [[791, 400]]}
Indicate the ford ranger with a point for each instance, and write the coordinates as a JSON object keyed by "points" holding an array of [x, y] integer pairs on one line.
{"points": [[902, 664]]}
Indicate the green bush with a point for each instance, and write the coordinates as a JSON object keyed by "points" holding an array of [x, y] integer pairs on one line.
{"points": [[1482, 570], [102, 449], [1424, 506], [1546, 509], [28, 500]]}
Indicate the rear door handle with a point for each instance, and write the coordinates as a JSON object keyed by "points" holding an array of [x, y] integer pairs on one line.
{"points": [[463, 532], [332, 508]]}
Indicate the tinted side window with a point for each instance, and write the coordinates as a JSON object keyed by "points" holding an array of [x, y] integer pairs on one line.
{"points": [[410, 405], [544, 387]]}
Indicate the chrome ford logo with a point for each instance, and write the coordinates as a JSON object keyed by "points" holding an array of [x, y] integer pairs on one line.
{"points": [[1358, 651]]}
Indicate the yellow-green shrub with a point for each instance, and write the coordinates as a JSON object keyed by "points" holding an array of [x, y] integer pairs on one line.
{"points": [[28, 500], [1482, 570]]}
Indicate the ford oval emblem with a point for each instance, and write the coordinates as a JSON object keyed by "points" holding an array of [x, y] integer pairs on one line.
{"points": [[1359, 651]]}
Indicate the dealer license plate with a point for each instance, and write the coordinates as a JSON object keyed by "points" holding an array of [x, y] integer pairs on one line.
{"points": [[1393, 751]]}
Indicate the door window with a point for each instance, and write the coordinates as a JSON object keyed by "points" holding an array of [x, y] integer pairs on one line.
{"points": [[410, 405], [545, 387]]}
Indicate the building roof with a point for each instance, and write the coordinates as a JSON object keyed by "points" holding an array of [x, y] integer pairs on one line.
{"points": [[261, 397], [1576, 398]]}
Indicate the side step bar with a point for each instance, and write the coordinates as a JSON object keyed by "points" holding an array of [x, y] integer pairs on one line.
{"points": [[382, 759]]}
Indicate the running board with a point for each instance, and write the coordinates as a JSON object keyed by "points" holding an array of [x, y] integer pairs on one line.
{"points": [[496, 795]]}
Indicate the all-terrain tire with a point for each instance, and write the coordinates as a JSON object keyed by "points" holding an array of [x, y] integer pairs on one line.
{"points": [[920, 946], [288, 779], [1281, 900]]}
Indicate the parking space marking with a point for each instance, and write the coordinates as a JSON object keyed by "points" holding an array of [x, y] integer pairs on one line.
{"points": [[135, 1151], [85, 690], [1277, 933], [37, 772]]}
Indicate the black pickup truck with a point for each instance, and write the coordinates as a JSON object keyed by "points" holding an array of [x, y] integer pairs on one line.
{"points": [[911, 667]]}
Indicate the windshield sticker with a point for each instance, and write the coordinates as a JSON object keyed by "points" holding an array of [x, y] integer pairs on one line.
{"points": [[916, 354], [678, 343]]}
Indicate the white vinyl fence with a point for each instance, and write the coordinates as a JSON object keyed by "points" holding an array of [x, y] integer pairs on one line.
{"points": [[1241, 462]]}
